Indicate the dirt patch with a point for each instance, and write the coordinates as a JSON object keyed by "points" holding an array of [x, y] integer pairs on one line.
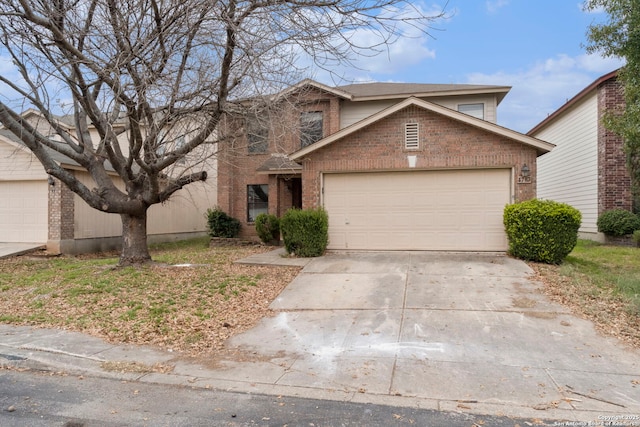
{"points": [[541, 314], [524, 302], [135, 367], [216, 360]]}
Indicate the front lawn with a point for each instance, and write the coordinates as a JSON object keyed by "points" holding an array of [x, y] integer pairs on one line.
{"points": [[194, 308], [191, 308], [601, 283]]}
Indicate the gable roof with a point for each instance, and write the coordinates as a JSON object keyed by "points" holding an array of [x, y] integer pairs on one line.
{"points": [[540, 146], [359, 92], [279, 163], [378, 91], [314, 84], [577, 98]]}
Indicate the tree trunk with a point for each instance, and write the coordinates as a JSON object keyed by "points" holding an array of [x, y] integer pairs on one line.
{"points": [[134, 240]]}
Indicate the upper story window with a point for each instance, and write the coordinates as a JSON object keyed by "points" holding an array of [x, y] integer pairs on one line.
{"points": [[310, 127], [475, 110], [411, 136], [257, 135]]}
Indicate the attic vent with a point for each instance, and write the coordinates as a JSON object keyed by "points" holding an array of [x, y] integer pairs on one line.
{"points": [[411, 141]]}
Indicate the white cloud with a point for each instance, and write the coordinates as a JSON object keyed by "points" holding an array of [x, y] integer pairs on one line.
{"points": [[544, 87], [409, 48], [494, 5], [583, 7]]}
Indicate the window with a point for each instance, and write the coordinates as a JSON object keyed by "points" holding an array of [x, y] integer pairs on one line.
{"points": [[411, 140], [161, 144], [475, 110], [257, 135], [180, 142], [257, 201], [310, 128]]}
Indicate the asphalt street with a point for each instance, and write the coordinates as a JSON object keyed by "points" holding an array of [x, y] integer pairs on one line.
{"points": [[32, 398]]}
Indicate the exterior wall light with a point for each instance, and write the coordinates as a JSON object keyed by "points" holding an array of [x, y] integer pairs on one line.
{"points": [[525, 175]]}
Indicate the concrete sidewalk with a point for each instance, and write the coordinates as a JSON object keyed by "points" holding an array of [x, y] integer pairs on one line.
{"points": [[453, 332], [13, 249]]}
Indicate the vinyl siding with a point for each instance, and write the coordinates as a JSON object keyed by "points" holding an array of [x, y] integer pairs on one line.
{"points": [[92, 223], [569, 173], [353, 112], [17, 164], [183, 213]]}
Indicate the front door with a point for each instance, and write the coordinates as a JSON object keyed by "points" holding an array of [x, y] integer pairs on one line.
{"points": [[296, 193]]}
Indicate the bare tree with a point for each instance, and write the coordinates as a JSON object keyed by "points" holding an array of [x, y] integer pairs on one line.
{"points": [[154, 78]]}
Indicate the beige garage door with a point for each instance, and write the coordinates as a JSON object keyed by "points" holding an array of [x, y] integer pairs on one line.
{"points": [[457, 210], [23, 211]]}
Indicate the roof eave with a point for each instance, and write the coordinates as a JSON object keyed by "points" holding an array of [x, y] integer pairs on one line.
{"points": [[500, 90], [570, 103], [317, 85]]}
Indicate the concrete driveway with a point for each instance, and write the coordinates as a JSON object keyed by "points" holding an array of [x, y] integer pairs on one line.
{"points": [[459, 332], [13, 249]]}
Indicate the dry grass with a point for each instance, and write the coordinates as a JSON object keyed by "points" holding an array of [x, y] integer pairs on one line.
{"points": [[600, 283], [192, 309]]}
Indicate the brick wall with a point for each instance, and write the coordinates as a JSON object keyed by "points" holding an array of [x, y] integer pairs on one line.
{"points": [[237, 168], [61, 215], [444, 144], [614, 182]]}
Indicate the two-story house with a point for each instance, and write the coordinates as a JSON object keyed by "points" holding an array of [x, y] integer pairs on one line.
{"points": [[397, 166], [588, 168]]}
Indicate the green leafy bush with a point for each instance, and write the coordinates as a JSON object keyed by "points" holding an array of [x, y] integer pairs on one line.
{"points": [[222, 225], [541, 230], [618, 222], [305, 232], [268, 228]]}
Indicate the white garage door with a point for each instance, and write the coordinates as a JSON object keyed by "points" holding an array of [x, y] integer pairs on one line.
{"points": [[23, 211], [457, 210]]}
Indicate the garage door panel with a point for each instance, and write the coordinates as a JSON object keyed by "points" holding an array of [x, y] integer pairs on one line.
{"points": [[418, 210], [24, 211]]}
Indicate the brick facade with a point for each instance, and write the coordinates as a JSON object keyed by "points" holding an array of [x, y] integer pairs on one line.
{"points": [[61, 215], [445, 143], [237, 168], [614, 182]]}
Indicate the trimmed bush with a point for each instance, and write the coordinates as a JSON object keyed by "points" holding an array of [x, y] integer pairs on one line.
{"points": [[268, 228], [618, 222], [541, 230], [305, 232], [222, 225]]}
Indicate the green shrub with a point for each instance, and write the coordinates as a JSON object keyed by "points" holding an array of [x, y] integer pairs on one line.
{"points": [[268, 228], [305, 232], [222, 225], [618, 222], [541, 230], [636, 237]]}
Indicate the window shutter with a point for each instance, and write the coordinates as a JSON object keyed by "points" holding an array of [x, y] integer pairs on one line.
{"points": [[411, 141]]}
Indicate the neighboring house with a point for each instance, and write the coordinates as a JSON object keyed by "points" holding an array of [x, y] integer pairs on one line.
{"points": [[37, 208], [587, 169], [396, 166]]}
